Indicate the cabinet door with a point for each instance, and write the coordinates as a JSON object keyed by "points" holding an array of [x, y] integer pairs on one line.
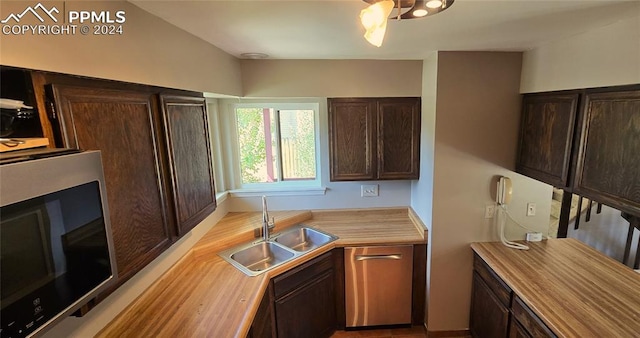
{"points": [[124, 126], [308, 311], [352, 146], [609, 155], [190, 163], [546, 136], [262, 326], [305, 296], [489, 318], [399, 138]]}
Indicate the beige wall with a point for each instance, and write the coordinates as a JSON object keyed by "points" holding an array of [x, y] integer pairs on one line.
{"points": [[476, 130], [150, 51], [602, 57], [331, 78]]}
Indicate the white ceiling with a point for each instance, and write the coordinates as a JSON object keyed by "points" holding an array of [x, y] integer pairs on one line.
{"points": [[330, 29]]}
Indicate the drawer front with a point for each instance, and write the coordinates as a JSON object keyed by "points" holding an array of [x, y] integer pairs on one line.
{"points": [[502, 291], [301, 275], [517, 331], [529, 321]]}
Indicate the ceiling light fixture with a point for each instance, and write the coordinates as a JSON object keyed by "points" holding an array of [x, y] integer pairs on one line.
{"points": [[374, 18]]}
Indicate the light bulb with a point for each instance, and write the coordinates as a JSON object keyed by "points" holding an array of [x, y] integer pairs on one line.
{"points": [[420, 12], [434, 3]]}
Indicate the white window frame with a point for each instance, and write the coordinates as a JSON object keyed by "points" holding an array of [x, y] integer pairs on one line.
{"points": [[303, 187]]}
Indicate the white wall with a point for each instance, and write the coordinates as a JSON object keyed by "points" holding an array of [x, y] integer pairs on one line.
{"points": [[422, 189], [150, 51], [607, 233], [603, 57]]}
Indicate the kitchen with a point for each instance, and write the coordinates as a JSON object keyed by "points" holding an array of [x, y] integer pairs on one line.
{"points": [[459, 156]]}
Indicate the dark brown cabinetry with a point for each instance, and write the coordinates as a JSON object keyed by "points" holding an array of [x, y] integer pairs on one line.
{"points": [[190, 163], [489, 317], [374, 138], [546, 136], [585, 141], [496, 311], [609, 154], [305, 302], [124, 126], [263, 323]]}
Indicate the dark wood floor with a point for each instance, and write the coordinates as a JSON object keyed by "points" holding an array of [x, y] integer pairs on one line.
{"points": [[413, 332]]}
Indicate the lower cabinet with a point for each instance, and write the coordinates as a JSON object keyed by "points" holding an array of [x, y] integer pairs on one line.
{"points": [[496, 311], [489, 317], [262, 326], [309, 300], [305, 300]]}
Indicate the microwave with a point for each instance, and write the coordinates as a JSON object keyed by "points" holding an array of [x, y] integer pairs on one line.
{"points": [[56, 248]]}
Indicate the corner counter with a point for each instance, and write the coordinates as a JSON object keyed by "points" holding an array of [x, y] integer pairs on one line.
{"points": [[575, 290], [203, 295]]}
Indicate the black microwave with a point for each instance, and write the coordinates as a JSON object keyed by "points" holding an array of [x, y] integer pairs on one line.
{"points": [[56, 250]]}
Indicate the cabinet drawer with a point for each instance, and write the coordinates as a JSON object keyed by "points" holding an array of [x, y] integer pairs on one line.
{"points": [[301, 275], [502, 291], [517, 331], [529, 320]]}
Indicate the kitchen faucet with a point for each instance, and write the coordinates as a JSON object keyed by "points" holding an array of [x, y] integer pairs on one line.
{"points": [[266, 224]]}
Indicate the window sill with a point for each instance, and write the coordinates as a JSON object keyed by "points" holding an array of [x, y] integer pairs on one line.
{"points": [[281, 191], [221, 197]]}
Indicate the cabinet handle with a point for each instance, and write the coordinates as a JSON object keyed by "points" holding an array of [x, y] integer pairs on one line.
{"points": [[368, 257]]}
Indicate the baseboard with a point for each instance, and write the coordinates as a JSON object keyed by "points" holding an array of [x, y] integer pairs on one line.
{"points": [[443, 334]]}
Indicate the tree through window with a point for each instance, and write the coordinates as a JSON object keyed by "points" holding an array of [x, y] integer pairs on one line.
{"points": [[276, 144]]}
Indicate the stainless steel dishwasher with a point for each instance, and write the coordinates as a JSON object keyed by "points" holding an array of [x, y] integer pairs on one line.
{"points": [[378, 285]]}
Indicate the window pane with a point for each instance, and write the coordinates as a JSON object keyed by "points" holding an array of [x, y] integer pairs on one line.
{"points": [[257, 160], [297, 142]]}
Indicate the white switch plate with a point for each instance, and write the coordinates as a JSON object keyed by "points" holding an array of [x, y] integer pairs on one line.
{"points": [[489, 211], [531, 209], [369, 190]]}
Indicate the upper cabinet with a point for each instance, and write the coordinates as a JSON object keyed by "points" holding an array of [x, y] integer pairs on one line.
{"points": [[125, 126], [608, 168], [156, 155], [374, 138], [190, 163], [585, 141], [546, 136]]}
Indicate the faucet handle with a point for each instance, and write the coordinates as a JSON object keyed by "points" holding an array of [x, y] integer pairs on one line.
{"points": [[257, 232], [272, 223]]}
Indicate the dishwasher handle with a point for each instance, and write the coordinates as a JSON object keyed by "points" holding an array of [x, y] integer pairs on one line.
{"points": [[369, 257]]}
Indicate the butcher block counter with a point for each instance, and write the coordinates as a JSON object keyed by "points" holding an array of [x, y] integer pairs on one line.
{"points": [[205, 296], [575, 290]]}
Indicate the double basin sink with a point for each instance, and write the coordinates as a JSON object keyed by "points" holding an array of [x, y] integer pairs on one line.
{"points": [[259, 256]]}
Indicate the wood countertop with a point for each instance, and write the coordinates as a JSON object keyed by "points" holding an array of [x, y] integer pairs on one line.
{"points": [[203, 295], [575, 290]]}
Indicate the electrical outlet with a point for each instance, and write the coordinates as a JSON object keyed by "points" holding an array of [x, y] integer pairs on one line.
{"points": [[489, 211], [369, 190], [531, 209]]}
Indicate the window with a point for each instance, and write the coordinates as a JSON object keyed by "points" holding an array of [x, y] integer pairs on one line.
{"points": [[276, 144]]}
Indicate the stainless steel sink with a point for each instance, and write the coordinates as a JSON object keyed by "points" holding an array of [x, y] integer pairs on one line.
{"points": [[259, 256], [303, 239], [256, 258]]}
